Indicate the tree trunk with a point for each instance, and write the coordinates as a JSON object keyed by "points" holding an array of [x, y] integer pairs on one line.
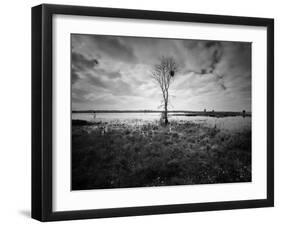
{"points": [[166, 114]]}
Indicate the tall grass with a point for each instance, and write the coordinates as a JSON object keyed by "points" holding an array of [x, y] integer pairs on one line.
{"points": [[152, 155]]}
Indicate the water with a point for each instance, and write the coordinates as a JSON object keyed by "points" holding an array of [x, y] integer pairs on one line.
{"points": [[235, 123]]}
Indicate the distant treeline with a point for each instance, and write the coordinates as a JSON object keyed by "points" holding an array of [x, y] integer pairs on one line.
{"points": [[176, 112]]}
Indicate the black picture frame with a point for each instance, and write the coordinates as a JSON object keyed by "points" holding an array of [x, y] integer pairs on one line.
{"points": [[42, 107]]}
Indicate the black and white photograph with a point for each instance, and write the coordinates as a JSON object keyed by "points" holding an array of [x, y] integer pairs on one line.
{"points": [[159, 112], [145, 111]]}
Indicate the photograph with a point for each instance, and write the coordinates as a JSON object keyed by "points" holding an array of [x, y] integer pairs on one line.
{"points": [[155, 111]]}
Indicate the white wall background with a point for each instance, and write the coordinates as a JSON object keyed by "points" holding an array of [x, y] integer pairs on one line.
{"points": [[15, 113]]}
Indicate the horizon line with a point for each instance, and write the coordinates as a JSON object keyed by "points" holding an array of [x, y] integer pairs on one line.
{"points": [[145, 110]]}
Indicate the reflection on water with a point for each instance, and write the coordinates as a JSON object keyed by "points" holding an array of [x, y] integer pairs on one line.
{"points": [[224, 123]]}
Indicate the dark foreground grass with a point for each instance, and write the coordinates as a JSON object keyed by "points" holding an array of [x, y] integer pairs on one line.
{"points": [[152, 155]]}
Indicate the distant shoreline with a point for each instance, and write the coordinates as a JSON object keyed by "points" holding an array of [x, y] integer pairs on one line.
{"points": [[152, 111], [175, 113]]}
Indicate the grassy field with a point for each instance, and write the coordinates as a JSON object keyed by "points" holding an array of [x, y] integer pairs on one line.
{"points": [[114, 155]]}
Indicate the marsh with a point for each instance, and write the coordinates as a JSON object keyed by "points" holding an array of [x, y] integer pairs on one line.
{"points": [[126, 151]]}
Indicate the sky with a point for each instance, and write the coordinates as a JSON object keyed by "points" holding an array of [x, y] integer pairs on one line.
{"points": [[114, 73]]}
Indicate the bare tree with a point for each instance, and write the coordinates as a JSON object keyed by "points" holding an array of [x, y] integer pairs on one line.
{"points": [[163, 73]]}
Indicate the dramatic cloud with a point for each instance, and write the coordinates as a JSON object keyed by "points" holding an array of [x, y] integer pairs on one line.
{"points": [[80, 63], [110, 72]]}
